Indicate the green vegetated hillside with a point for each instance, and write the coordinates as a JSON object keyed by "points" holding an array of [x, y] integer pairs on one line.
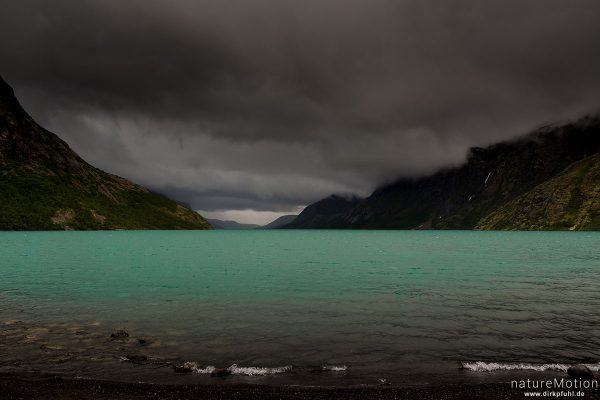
{"points": [[569, 201], [44, 185]]}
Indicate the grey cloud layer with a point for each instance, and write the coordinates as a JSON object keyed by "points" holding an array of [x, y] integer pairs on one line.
{"points": [[269, 104]]}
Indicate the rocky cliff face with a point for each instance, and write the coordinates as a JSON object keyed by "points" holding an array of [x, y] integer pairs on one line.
{"points": [[22, 141], [460, 198], [46, 185]]}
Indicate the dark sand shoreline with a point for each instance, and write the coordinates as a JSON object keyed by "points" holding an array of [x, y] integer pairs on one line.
{"points": [[39, 386]]}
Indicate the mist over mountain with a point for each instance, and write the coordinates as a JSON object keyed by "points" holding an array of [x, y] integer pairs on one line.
{"points": [[547, 180]]}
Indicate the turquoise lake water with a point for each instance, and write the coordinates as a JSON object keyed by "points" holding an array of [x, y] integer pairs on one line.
{"points": [[372, 303]]}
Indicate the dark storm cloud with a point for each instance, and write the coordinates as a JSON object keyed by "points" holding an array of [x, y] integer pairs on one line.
{"points": [[269, 104]]}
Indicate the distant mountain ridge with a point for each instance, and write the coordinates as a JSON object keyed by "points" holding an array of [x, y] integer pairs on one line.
{"points": [[277, 223], [472, 196], [44, 185], [227, 224]]}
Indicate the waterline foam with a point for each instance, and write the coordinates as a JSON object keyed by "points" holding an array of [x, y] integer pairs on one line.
{"points": [[237, 370], [483, 366]]}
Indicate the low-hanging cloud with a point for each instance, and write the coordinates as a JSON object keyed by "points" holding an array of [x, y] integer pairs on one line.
{"points": [[272, 104]]}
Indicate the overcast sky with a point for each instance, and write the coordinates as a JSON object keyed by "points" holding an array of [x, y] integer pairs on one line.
{"points": [[253, 108]]}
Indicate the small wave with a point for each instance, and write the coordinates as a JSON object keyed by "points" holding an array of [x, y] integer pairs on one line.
{"points": [[335, 368], [198, 369], [482, 366], [253, 371], [237, 370]]}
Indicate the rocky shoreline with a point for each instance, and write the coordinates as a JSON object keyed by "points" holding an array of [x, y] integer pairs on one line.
{"points": [[25, 387]]}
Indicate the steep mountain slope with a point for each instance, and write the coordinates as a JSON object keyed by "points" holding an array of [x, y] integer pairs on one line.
{"points": [[570, 200], [44, 185], [221, 224], [322, 213], [459, 198], [280, 222]]}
